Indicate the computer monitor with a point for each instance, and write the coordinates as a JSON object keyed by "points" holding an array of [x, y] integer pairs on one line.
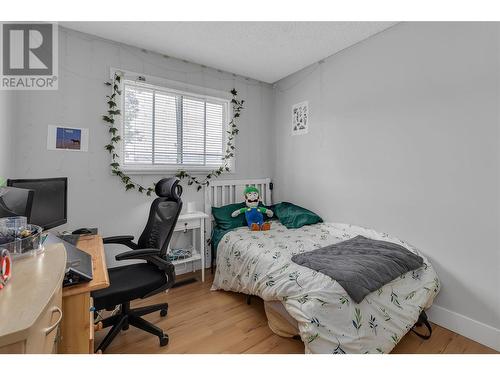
{"points": [[16, 202], [49, 208]]}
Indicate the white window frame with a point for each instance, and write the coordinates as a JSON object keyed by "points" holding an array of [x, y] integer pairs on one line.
{"points": [[178, 88]]}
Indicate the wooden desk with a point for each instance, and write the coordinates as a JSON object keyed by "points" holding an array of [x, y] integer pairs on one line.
{"points": [[30, 304], [77, 326]]}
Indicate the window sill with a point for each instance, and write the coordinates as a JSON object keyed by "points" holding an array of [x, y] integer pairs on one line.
{"points": [[172, 170]]}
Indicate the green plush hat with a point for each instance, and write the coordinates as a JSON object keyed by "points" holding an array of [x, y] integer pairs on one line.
{"points": [[251, 189]]}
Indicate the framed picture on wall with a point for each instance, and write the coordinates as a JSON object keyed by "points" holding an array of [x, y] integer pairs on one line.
{"points": [[67, 138], [300, 118]]}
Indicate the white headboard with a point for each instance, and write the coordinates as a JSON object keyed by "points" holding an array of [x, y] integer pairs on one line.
{"points": [[222, 192]]}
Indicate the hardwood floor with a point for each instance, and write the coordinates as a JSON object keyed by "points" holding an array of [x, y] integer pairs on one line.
{"points": [[201, 321]]}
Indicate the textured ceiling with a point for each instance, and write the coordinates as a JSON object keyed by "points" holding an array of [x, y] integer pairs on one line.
{"points": [[266, 51]]}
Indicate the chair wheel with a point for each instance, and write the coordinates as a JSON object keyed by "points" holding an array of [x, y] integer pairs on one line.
{"points": [[164, 340], [163, 312]]}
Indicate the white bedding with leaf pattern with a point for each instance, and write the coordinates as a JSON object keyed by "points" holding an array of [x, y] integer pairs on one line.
{"points": [[259, 263]]}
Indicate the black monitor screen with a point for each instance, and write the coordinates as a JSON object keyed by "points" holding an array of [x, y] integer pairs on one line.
{"points": [[49, 208]]}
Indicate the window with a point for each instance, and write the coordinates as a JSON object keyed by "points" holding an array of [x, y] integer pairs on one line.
{"points": [[168, 129]]}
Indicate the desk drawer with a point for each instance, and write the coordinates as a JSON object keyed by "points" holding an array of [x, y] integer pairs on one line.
{"points": [[187, 224], [44, 332]]}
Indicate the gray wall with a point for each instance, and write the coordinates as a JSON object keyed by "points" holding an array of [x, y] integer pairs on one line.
{"points": [[6, 126], [404, 138], [96, 198]]}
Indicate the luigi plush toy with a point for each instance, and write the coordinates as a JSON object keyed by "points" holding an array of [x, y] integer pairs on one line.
{"points": [[253, 213]]}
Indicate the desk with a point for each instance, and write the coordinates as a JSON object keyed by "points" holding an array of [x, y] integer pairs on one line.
{"points": [[77, 326], [30, 304]]}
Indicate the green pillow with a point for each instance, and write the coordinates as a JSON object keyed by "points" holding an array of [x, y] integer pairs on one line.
{"points": [[223, 218], [292, 216]]}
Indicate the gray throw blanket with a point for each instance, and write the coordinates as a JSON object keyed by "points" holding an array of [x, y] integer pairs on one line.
{"points": [[361, 265]]}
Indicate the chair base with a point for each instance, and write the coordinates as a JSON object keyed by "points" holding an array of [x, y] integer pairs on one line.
{"points": [[127, 317]]}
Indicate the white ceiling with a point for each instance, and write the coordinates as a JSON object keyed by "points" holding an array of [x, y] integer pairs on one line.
{"points": [[266, 51]]}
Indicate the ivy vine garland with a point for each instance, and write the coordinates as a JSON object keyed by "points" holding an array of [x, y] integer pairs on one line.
{"points": [[129, 183]]}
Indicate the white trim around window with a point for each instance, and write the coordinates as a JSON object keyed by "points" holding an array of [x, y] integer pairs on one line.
{"points": [[154, 139]]}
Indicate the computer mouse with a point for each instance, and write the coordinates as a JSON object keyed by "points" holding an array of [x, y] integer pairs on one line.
{"points": [[82, 231]]}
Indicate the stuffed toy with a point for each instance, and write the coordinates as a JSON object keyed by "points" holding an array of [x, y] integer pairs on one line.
{"points": [[253, 213]]}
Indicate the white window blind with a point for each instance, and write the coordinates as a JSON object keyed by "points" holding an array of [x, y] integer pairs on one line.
{"points": [[163, 128]]}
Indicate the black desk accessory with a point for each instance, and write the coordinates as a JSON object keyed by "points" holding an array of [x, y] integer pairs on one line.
{"points": [[85, 231]]}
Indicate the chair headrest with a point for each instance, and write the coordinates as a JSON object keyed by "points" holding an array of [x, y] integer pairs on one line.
{"points": [[169, 188]]}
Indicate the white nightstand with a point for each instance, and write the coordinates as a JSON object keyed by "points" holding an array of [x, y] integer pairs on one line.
{"points": [[194, 222]]}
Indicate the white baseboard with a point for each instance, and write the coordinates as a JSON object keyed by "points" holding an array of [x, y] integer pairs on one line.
{"points": [[465, 326]]}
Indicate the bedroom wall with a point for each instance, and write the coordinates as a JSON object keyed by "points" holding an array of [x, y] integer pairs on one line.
{"points": [[96, 198], [404, 138], [5, 134]]}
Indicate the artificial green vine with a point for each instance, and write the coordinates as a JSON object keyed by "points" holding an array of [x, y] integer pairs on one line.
{"points": [[130, 184], [113, 111]]}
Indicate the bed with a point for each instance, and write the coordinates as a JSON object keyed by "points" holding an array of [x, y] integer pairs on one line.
{"points": [[304, 302]]}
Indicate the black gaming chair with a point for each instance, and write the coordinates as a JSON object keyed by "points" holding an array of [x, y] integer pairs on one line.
{"points": [[142, 280]]}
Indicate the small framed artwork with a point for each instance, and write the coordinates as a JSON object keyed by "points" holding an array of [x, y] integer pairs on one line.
{"points": [[67, 138], [300, 118]]}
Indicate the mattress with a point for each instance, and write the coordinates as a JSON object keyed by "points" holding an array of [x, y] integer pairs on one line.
{"points": [[279, 320], [328, 320]]}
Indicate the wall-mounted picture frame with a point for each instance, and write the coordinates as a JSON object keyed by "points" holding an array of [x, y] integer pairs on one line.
{"points": [[300, 118], [67, 138]]}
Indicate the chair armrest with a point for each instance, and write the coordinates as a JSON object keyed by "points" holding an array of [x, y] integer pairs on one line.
{"points": [[137, 254], [149, 255], [122, 240]]}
